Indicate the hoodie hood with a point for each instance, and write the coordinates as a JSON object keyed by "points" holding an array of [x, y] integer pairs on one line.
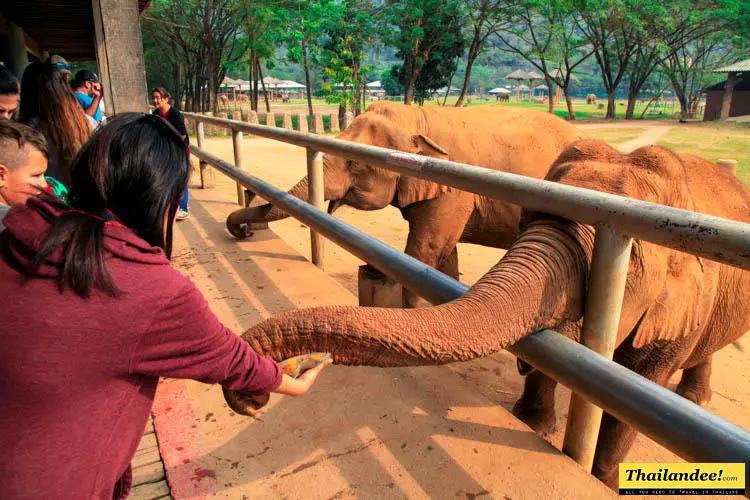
{"points": [[25, 227]]}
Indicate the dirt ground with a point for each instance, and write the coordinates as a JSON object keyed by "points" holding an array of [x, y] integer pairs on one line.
{"points": [[283, 165]]}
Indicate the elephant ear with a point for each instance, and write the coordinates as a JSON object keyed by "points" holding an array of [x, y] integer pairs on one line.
{"points": [[683, 302], [413, 189]]}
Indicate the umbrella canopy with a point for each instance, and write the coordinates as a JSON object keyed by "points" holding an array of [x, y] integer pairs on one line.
{"points": [[523, 88], [499, 90], [518, 75], [533, 75], [541, 87], [557, 73]]}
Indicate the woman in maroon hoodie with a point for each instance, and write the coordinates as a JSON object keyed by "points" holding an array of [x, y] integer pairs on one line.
{"points": [[92, 314]]}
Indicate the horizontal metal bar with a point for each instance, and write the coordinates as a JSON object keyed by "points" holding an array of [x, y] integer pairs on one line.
{"points": [[693, 433], [410, 272], [681, 426], [714, 238]]}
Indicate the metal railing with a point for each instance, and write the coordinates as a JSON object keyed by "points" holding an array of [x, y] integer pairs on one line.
{"points": [[597, 383]]}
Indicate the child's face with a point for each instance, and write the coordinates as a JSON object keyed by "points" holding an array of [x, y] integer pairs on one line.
{"points": [[24, 181]]}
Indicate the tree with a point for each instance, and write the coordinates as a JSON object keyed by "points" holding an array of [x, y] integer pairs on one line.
{"points": [[263, 35], [201, 37], [545, 34], [613, 27], [348, 28], [702, 35], [486, 17], [419, 27]]}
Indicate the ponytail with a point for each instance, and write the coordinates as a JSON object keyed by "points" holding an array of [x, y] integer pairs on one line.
{"points": [[81, 237]]}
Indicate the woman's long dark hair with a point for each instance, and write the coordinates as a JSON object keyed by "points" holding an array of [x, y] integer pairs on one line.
{"points": [[133, 169], [28, 108], [56, 113]]}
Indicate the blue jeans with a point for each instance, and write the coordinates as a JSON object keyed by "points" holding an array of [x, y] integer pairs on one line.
{"points": [[184, 200]]}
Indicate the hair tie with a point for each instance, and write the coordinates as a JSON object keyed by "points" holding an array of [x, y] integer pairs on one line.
{"points": [[106, 217]]}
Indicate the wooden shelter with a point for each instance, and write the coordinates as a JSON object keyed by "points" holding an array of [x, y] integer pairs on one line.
{"points": [[107, 31], [732, 96]]}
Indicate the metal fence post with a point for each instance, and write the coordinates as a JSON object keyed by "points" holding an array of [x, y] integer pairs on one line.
{"points": [[606, 288], [237, 146], [315, 196]]}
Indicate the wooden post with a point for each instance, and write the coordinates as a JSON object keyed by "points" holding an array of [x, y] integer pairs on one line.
{"points": [[302, 121], [252, 117], [237, 115], [606, 288], [223, 131], [288, 121], [726, 100], [318, 123], [348, 119], [335, 123], [315, 192], [270, 119], [206, 172], [237, 146], [729, 165]]}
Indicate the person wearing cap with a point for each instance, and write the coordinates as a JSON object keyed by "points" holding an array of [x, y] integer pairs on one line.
{"points": [[88, 91]]}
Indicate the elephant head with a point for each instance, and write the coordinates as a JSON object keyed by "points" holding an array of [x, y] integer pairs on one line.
{"points": [[357, 184], [540, 283]]}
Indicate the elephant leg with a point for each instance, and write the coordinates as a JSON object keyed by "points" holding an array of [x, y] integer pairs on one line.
{"points": [[615, 437], [695, 383], [449, 265], [536, 407], [435, 226]]}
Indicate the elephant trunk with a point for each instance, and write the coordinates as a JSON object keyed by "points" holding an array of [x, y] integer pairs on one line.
{"points": [[540, 283], [238, 219]]}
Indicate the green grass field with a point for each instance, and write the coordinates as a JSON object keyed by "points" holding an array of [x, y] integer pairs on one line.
{"points": [[582, 110], [714, 141]]}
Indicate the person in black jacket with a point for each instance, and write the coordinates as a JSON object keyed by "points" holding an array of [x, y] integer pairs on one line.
{"points": [[161, 98]]}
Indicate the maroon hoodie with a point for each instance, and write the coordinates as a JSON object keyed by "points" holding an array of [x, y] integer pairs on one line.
{"points": [[78, 376]]}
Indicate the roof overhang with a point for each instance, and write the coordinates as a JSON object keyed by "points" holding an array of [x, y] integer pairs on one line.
{"points": [[57, 26]]}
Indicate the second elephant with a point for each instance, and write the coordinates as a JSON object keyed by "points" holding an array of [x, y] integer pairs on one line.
{"points": [[511, 140]]}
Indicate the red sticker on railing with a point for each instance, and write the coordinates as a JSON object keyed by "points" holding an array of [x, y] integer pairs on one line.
{"points": [[409, 158]]}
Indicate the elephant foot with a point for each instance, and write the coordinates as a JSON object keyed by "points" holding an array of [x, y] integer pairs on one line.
{"points": [[699, 394], [541, 419], [610, 478]]}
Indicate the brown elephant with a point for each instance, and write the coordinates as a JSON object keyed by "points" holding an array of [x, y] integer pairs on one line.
{"points": [[678, 309], [512, 140]]}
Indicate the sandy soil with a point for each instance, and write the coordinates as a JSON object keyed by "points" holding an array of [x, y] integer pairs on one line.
{"points": [[283, 165]]}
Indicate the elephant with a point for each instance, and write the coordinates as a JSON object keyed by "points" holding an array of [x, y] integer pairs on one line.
{"points": [[678, 309], [512, 140]]}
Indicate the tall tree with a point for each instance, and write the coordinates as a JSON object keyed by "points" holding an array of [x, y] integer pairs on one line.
{"points": [[485, 17], [545, 35], [613, 27], [202, 37], [349, 29], [701, 35], [419, 27]]}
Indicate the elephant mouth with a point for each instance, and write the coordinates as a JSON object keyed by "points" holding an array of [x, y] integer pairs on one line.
{"points": [[334, 205]]}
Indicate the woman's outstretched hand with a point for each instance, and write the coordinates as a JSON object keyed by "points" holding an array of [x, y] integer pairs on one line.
{"points": [[300, 385]]}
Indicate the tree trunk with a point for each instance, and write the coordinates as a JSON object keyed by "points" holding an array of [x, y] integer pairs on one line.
{"points": [[632, 97], [473, 52], [550, 96], [308, 87], [342, 112], [263, 84], [409, 94], [569, 103], [610, 105]]}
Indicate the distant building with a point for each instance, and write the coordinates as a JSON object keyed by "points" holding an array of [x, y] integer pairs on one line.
{"points": [[732, 96]]}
